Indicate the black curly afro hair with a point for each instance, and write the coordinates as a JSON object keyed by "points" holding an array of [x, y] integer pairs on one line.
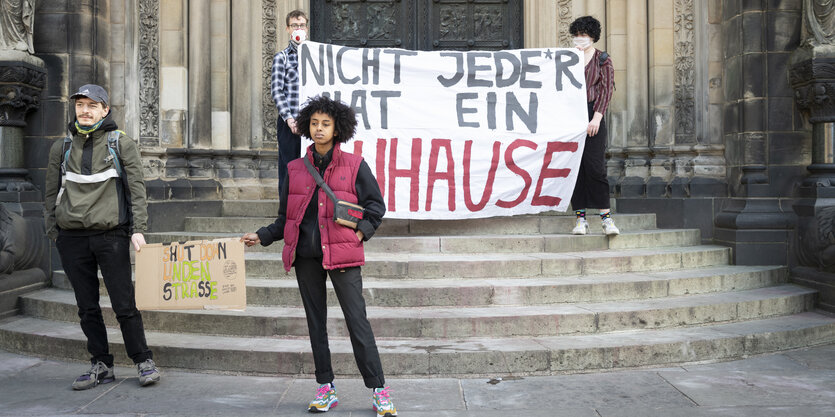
{"points": [[586, 24], [344, 118]]}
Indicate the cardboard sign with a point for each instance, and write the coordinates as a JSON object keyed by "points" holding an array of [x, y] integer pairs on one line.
{"points": [[201, 274]]}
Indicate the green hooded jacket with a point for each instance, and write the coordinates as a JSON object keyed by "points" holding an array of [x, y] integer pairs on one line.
{"points": [[93, 200]]}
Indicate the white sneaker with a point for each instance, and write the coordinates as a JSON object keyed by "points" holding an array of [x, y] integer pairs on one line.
{"points": [[609, 227], [581, 228]]}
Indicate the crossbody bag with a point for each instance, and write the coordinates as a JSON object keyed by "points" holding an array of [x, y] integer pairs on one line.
{"points": [[344, 213]]}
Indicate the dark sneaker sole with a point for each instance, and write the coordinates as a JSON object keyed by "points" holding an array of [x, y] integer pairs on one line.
{"points": [[103, 381]]}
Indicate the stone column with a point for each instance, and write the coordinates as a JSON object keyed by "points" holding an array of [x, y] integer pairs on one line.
{"points": [[812, 75], [221, 71], [542, 20], [22, 240], [631, 125], [22, 77], [173, 73], [764, 143], [243, 76], [709, 176], [664, 25], [199, 75]]}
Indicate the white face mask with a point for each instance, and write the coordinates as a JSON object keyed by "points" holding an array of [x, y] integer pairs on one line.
{"points": [[298, 36], [582, 42]]}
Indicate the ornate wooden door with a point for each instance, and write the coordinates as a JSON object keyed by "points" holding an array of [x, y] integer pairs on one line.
{"points": [[419, 24]]}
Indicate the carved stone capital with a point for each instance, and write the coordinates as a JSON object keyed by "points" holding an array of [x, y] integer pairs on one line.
{"points": [[812, 75], [22, 78]]}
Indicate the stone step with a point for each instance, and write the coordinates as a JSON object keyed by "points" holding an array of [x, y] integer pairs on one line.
{"points": [[269, 208], [529, 291], [253, 208], [529, 224], [532, 291], [485, 243], [442, 357], [445, 322], [512, 265]]}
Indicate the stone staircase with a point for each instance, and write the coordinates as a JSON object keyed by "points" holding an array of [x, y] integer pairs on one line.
{"points": [[513, 295]]}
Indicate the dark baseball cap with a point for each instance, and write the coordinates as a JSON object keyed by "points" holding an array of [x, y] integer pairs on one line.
{"points": [[93, 92]]}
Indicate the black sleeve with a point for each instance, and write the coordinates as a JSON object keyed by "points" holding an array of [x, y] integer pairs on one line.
{"points": [[370, 198], [275, 231]]}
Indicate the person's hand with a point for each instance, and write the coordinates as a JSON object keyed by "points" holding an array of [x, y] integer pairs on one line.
{"points": [[138, 239], [250, 239], [291, 122], [594, 124], [360, 235]]}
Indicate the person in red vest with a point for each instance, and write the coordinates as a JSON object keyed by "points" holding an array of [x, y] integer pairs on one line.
{"points": [[317, 246]]}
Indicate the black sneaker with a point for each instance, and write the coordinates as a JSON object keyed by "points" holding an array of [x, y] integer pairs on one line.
{"points": [[98, 374]]}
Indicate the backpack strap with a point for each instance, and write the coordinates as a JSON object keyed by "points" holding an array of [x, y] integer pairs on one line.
{"points": [[65, 156], [65, 153], [602, 58], [116, 154], [113, 147]]}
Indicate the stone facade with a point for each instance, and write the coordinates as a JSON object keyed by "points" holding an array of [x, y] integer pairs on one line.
{"points": [[704, 127]]}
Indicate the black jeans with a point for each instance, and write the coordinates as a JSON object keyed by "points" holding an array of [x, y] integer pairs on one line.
{"points": [[592, 187], [289, 148], [81, 257], [347, 283]]}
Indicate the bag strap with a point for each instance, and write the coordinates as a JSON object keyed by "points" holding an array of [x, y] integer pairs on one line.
{"points": [[319, 181], [602, 58]]}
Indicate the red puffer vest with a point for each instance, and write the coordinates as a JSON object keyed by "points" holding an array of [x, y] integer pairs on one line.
{"points": [[341, 248]]}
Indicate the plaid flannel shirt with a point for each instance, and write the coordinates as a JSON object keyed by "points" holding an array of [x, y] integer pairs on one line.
{"points": [[284, 82]]}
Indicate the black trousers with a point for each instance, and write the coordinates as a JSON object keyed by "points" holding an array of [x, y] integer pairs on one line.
{"points": [[81, 257], [289, 148], [347, 283], [592, 188]]}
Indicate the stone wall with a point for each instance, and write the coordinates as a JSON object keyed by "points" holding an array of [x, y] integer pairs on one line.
{"points": [[702, 110]]}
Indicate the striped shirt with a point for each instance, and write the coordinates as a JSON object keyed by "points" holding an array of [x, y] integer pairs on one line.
{"points": [[284, 83], [600, 82]]}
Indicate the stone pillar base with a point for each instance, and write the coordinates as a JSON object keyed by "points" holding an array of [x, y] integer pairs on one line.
{"points": [[677, 212], [757, 230], [823, 282]]}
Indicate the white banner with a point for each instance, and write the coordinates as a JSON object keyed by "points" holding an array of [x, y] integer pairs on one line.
{"points": [[454, 135]]}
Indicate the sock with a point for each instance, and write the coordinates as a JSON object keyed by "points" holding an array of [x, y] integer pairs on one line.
{"points": [[605, 214], [581, 214]]}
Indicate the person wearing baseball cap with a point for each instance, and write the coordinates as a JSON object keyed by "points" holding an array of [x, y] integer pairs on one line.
{"points": [[95, 209]]}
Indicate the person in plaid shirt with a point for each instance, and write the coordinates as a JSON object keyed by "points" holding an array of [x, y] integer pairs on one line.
{"points": [[285, 91]]}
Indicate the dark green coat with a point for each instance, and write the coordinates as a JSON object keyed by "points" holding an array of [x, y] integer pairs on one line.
{"points": [[96, 205]]}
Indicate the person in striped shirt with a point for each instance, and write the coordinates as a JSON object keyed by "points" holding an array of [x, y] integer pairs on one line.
{"points": [[592, 187]]}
